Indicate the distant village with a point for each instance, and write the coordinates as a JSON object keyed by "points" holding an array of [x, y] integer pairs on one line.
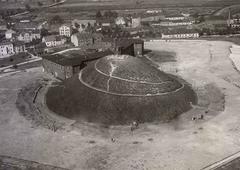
{"points": [[108, 31]]}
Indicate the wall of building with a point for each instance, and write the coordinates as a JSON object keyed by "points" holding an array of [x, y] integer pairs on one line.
{"points": [[54, 69], [65, 30], [6, 50], [138, 49], [19, 49]]}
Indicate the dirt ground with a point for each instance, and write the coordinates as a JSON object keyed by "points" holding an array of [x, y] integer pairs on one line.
{"points": [[179, 145]]}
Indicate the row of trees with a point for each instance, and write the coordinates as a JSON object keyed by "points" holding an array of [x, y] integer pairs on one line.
{"points": [[107, 14], [219, 31]]}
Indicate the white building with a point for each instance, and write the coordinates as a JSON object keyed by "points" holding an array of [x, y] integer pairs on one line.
{"points": [[65, 30], [6, 49], [9, 34], [234, 23], [174, 23], [54, 40], [136, 22], [174, 17], [180, 34], [120, 21]]}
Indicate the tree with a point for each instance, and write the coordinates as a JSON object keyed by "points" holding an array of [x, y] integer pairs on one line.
{"points": [[201, 19], [44, 32], [74, 31], [77, 26], [98, 14], [40, 4], [56, 20], [28, 7], [110, 14], [83, 26], [195, 15]]}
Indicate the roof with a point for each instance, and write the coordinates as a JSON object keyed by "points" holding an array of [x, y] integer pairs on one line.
{"points": [[18, 43], [179, 31], [22, 32], [10, 31], [65, 25], [6, 42], [53, 38], [76, 59], [27, 25]]}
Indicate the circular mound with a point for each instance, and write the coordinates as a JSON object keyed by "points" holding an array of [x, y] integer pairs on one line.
{"points": [[119, 89], [127, 76]]}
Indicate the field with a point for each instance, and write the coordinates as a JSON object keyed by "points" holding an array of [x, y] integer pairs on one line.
{"points": [[123, 4], [235, 9], [151, 2]]}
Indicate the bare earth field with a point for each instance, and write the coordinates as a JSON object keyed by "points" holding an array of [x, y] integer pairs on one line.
{"points": [[179, 145]]}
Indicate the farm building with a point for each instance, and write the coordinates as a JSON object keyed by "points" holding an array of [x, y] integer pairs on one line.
{"points": [[64, 66], [119, 89]]}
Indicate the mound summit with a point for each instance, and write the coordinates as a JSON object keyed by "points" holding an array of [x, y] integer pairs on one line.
{"points": [[118, 89]]}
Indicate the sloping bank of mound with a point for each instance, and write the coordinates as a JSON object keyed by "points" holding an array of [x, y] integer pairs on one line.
{"points": [[118, 89]]}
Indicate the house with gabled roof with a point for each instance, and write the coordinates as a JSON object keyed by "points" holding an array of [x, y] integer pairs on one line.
{"points": [[54, 40]]}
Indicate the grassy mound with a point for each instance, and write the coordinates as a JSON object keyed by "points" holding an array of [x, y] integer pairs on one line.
{"points": [[80, 100]]}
